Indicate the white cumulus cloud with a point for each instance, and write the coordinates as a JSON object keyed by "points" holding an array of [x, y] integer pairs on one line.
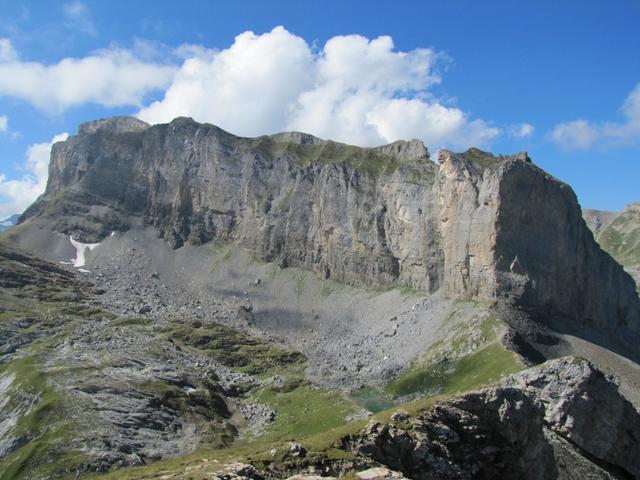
{"points": [[583, 134], [575, 135], [629, 130], [113, 77], [4, 123], [354, 89], [17, 194], [245, 88], [524, 130]]}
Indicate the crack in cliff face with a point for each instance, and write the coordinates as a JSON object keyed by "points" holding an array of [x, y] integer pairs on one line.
{"points": [[375, 216]]}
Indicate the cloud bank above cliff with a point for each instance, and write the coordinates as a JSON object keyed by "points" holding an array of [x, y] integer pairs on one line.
{"points": [[353, 89]]}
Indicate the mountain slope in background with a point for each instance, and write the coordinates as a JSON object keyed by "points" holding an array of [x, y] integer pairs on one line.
{"points": [[619, 234], [9, 222]]}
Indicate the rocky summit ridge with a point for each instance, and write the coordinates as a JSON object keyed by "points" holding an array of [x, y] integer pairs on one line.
{"points": [[473, 225]]}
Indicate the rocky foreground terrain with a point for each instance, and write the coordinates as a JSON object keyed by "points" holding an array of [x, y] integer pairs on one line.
{"points": [[185, 303]]}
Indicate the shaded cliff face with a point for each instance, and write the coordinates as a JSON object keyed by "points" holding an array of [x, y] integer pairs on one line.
{"points": [[473, 226]]}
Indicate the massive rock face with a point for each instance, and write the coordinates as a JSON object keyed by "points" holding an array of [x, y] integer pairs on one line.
{"points": [[473, 226]]}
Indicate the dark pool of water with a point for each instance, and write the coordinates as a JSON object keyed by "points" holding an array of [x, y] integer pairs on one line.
{"points": [[372, 399]]}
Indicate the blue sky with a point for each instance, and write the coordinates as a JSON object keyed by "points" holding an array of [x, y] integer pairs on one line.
{"points": [[558, 79]]}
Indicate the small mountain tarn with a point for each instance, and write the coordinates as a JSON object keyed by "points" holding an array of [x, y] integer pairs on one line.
{"points": [[195, 304]]}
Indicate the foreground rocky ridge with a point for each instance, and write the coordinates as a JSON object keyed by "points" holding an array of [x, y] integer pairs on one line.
{"points": [[474, 226], [546, 422]]}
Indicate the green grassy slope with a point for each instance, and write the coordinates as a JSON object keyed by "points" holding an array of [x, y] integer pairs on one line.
{"points": [[470, 356], [621, 239]]}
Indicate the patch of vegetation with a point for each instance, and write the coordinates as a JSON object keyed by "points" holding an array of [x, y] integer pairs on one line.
{"points": [[301, 280], [408, 291], [621, 239], [305, 410], [404, 290], [284, 201], [235, 349], [481, 158], [47, 425], [368, 160], [219, 252], [329, 287], [479, 368], [470, 356], [490, 328]]}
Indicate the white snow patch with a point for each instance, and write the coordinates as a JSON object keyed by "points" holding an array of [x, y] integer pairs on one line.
{"points": [[113, 234], [82, 270], [81, 251]]}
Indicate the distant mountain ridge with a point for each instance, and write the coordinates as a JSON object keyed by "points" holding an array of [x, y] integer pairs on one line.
{"points": [[9, 222], [619, 234]]}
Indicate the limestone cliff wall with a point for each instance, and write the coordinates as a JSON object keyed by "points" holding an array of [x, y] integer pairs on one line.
{"points": [[473, 225]]}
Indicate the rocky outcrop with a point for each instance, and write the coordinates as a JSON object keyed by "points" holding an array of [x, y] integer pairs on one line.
{"points": [[473, 225], [493, 433], [586, 409], [562, 420]]}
